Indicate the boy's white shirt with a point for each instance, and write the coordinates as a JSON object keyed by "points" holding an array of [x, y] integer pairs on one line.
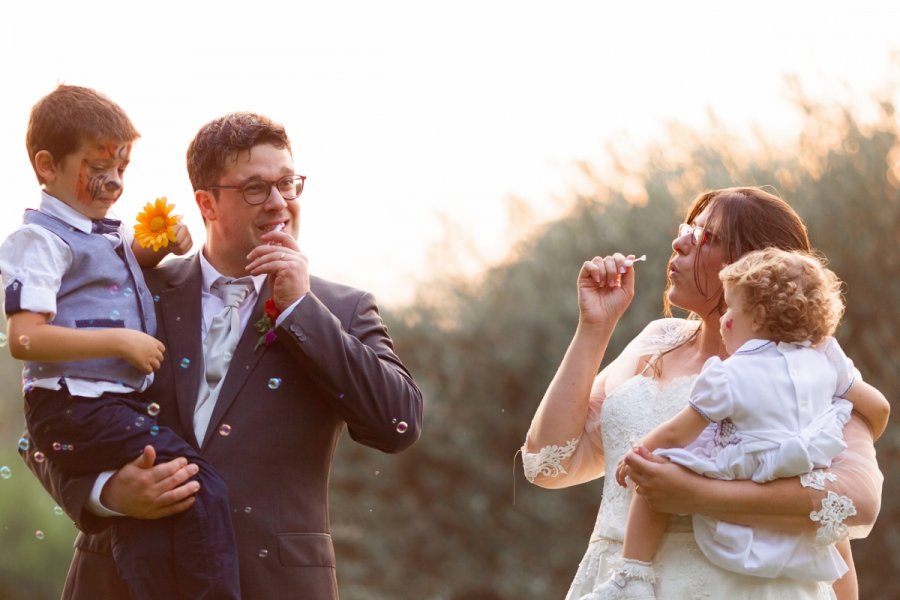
{"points": [[38, 258]]}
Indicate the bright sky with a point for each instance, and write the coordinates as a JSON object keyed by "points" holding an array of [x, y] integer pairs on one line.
{"points": [[402, 112]]}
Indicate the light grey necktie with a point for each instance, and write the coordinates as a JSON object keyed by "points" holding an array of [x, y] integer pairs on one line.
{"points": [[218, 347]]}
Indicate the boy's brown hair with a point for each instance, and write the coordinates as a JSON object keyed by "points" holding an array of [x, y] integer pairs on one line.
{"points": [[70, 115]]}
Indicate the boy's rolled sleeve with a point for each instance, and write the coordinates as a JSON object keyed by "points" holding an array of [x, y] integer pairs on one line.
{"points": [[32, 263]]}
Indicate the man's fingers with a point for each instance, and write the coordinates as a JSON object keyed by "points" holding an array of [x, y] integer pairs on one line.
{"points": [[146, 459], [178, 477], [167, 469], [179, 494], [176, 508]]}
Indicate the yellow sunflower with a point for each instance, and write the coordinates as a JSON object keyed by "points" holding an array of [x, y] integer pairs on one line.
{"points": [[156, 226]]}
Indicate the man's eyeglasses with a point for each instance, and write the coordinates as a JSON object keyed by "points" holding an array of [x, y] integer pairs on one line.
{"points": [[699, 235], [256, 191]]}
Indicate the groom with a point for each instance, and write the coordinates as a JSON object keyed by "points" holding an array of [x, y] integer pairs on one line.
{"points": [[283, 403]]}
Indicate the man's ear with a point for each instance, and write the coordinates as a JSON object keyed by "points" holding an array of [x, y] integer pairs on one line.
{"points": [[45, 166], [759, 318], [207, 203]]}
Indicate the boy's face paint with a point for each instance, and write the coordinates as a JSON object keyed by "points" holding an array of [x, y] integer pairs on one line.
{"points": [[90, 180]]}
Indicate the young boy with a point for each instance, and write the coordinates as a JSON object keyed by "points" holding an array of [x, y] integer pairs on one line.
{"points": [[80, 316]]}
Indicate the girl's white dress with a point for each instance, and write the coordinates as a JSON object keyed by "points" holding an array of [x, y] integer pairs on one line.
{"points": [[623, 408], [777, 411]]}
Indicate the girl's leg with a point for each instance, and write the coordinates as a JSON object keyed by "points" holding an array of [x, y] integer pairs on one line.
{"points": [[643, 530]]}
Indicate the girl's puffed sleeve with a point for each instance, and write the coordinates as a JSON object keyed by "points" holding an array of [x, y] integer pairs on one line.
{"points": [[842, 365], [711, 393]]}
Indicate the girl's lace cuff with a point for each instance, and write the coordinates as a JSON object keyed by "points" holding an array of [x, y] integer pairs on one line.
{"points": [[548, 460]]}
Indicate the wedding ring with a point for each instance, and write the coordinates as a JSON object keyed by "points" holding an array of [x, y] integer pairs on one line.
{"points": [[281, 257]]}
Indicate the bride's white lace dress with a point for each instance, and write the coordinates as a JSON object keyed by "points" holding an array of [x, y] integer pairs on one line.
{"points": [[623, 409]]}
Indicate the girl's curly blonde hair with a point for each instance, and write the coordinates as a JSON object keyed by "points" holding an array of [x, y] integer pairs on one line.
{"points": [[801, 297]]}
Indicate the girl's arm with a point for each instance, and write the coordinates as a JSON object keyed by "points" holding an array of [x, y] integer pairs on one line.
{"points": [[851, 494], [677, 432], [871, 404]]}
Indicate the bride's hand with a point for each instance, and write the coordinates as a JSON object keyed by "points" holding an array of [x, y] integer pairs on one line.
{"points": [[621, 472], [605, 288], [666, 487]]}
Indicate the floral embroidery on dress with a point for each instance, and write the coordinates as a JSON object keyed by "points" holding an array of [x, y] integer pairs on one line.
{"points": [[726, 433], [548, 461], [835, 509], [816, 479], [673, 333]]}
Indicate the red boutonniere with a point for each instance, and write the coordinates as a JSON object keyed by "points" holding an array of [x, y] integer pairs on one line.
{"points": [[266, 325]]}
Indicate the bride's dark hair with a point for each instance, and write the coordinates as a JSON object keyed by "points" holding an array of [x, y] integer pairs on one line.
{"points": [[744, 219]]}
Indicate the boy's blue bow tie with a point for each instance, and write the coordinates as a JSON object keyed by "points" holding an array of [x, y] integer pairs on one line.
{"points": [[105, 226]]}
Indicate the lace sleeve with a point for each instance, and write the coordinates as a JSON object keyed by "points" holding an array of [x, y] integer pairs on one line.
{"points": [[846, 497], [573, 461], [548, 461]]}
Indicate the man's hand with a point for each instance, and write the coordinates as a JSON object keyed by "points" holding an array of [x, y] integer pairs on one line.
{"points": [[144, 491], [280, 258], [666, 487]]}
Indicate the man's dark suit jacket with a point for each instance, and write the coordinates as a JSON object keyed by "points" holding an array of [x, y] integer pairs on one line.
{"points": [[335, 364]]}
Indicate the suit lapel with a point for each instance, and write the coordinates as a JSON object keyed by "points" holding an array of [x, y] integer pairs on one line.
{"points": [[242, 364], [180, 312]]}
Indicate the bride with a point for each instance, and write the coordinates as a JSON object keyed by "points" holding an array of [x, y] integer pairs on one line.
{"points": [[587, 422]]}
